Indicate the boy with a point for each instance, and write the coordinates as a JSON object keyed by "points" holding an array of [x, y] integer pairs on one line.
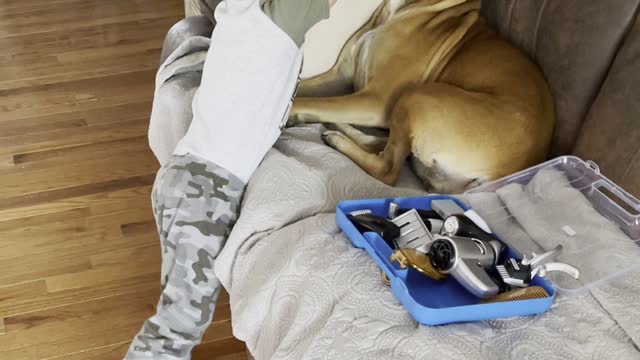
{"points": [[248, 82]]}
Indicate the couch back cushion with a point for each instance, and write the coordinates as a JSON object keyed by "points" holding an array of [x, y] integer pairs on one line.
{"points": [[573, 42], [611, 132], [325, 40]]}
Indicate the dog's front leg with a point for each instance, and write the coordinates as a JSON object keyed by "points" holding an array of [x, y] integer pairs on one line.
{"points": [[334, 82], [361, 108]]}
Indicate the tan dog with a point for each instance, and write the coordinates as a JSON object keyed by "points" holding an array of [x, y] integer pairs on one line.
{"points": [[467, 105]]}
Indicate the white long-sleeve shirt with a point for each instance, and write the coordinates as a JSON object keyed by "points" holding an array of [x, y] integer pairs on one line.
{"points": [[248, 83]]}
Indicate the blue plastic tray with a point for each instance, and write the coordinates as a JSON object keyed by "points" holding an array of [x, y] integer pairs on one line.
{"points": [[428, 301]]}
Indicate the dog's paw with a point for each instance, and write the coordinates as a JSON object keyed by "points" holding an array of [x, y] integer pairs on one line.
{"points": [[333, 138], [292, 120]]}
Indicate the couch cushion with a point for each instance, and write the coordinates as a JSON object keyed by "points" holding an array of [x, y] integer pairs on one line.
{"points": [[573, 42], [611, 133]]}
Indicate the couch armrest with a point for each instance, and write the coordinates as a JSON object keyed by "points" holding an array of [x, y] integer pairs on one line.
{"points": [[200, 7], [188, 27]]}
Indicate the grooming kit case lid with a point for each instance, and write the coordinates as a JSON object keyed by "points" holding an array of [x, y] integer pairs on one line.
{"points": [[600, 260]]}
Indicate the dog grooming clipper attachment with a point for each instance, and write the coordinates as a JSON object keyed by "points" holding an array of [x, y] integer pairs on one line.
{"points": [[413, 231], [520, 273]]}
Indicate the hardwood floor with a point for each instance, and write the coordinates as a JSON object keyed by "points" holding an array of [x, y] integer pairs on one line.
{"points": [[79, 254]]}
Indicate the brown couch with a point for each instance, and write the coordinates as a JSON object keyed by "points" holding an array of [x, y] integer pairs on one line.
{"points": [[589, 51]]}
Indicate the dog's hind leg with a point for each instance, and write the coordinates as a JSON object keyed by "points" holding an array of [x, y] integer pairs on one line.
{"points": [[370, 143], [387, 165]]}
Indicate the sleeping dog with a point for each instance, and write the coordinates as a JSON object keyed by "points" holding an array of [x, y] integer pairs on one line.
{"points": [[466, 106]]}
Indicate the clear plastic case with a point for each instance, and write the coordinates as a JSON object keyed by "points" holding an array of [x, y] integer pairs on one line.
{"points": [[600, 260]]}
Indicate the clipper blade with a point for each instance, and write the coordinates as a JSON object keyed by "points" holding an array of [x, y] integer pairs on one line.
{"points": [[360, 212]]}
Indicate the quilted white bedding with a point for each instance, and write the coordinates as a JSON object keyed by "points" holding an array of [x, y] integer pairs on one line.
{"points": [[300, 290]]}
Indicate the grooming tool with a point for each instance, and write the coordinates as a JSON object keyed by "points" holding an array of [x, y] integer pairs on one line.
{"points": [[446, 208], [520, 273], [478, 220], [435, 225], [468, 261], [365, 221], [393, 211], [418, 261], [530, 293], [385, 279], [424, 214], [413, 231], [361, 212], [461, 225], [539, 259], [429, 217], [556, 266]]}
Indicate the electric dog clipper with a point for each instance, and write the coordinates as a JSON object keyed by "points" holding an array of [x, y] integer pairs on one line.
{"points": [[468, 261], [365, 221], [461, 225]]}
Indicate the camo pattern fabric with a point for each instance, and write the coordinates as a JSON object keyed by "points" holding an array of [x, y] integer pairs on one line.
{"points": [[195, 204]]}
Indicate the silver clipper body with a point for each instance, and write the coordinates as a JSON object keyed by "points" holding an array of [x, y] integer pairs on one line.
{"points": [[467, 260]]}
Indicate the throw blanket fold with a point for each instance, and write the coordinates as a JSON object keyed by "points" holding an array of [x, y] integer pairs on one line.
{"points": [[300, 290]]}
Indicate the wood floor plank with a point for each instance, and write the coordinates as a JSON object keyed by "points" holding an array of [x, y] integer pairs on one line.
{"points": [[2, 327], [85, 152], [76, 118], [75, 237], [6, 162], [27, 268], [80, 135], [31, 221], [66, 41], [50, 17], [219, 329], [109, 352], [44, 300], [125, 331], [16, 292], [47, 196], [96, 308], [62, 63], [76, 179], [221, 349], [84, 94], [48, 335], [112, 201], [19, 354], [106, 267], [108, 325]]}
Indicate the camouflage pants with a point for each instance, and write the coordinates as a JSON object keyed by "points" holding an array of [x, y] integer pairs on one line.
{"points": [[195, 204]]}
